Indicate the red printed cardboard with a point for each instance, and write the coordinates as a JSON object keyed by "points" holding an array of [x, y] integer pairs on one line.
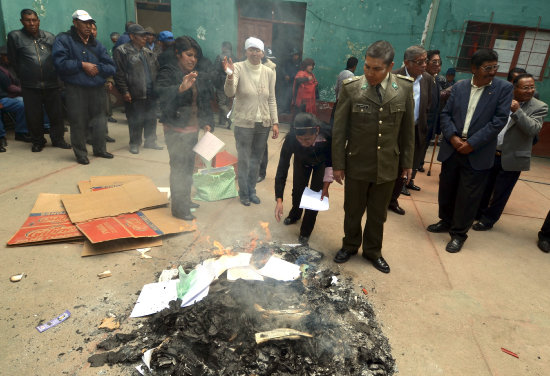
{"points": [[127, 198], [143, 224], [47, 223]]}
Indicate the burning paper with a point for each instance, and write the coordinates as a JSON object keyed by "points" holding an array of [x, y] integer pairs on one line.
{"points": [[280, 269]]}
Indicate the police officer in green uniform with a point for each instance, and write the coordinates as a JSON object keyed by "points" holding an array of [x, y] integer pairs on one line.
{"points": [[373, 134]]}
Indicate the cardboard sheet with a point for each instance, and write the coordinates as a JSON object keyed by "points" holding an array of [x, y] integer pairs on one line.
{"points": [[47, 223], [120, 245], [98, 183], [143, 224], [84, 186], [127, 198]]}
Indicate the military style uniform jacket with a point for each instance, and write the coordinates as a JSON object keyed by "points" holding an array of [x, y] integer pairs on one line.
{"points": [[371, 139]]}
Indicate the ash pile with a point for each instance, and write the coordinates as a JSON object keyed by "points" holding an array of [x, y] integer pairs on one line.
{"points": [[315, 325]]}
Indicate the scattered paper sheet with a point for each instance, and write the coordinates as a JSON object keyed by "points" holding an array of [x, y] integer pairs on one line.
{"points": [[247, 273], [225, 262], [202, 281], [154, 297], [280, 269], [208, 146], [165, 190], [312, 200], [168, 275]]}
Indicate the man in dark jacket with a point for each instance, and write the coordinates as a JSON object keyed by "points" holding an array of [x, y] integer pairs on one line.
{"points": [[84, 64], [137, 68], [30, 53]]}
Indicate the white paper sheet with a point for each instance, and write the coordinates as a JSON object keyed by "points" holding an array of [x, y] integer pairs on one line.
{"points": [[196, 292], [154, 297], [247, 273], [168, 275], [312, 200], [280, 269], [208, 146], [225, 262], [165, 190]]}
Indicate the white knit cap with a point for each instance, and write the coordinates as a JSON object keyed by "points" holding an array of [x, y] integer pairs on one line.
{"points": [[254, 42]]}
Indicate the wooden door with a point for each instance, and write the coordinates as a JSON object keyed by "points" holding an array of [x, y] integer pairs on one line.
{"points": [[253, 28]]}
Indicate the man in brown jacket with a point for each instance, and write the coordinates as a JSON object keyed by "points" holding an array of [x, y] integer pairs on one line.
{"points": [[373, 136]]}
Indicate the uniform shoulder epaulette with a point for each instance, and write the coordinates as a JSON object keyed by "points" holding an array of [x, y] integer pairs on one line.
{"points": [[351, 79], [405, 77]]}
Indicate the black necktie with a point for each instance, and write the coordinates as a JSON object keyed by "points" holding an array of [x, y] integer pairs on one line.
{"points": [[379, 92]]}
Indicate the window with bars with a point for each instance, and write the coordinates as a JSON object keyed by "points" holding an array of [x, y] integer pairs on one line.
{"points": [[517, 46]]}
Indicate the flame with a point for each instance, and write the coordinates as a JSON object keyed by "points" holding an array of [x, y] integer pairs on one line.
{"points": [[221, 250], [265, 226], [252, 245]]}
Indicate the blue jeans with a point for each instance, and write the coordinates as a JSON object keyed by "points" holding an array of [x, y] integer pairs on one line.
{"points": [[16, 107], [251, 143]]}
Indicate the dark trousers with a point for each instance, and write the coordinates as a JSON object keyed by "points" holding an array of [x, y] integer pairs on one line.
{"points": [[544, 233], [374, 198], [398, 186], [499, 187], [300, 180], [250, 144], [460, 191], [86, 106], [182, 162], [263, 163], [418, 158], [141, 120], [50, 100]]}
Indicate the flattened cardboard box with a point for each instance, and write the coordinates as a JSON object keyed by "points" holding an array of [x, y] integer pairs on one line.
{"points": [[142, 224], [127, 198], [48, 222], [90, 249], [98, 183]]}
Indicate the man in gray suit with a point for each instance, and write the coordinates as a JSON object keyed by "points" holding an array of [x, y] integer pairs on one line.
{"points": [[513, 153]]}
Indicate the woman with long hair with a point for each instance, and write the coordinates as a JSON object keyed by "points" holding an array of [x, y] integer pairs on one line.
{"points": [[254, 113], [185, 93], [305, 88]]}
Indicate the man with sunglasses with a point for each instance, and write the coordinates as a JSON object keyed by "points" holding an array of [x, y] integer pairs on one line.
{"points": [[475, 113], [415, 61]]}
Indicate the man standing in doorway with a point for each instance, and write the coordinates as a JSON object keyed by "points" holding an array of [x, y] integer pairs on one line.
{"points": [[475, 113], [137, 69], [30, 53], [373, 135]]}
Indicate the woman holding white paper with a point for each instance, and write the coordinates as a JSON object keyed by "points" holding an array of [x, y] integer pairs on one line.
{"points": [[310, 143], [185, 94], [254, 113]]}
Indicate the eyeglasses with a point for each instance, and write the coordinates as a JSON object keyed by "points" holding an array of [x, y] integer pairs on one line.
{"points": [[526, 88], [420, 62], [489, 68], [435, 62]]}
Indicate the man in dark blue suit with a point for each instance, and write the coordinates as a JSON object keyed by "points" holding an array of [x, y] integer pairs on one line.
{"points": [[475, 113]]}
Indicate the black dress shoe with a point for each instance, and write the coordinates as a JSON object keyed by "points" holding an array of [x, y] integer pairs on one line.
{"points": [[394, 207], [134, 149], [411, 185], [439, 227], [83, 160], [455, 245], [381, 265], [480, 226], [61, 144], [37, 148], [303, 240], [104, 154], [255, 199], [25, 137], [109, 138], [2, 149], [112, 120], [152, 145], [194, 205], [3, 141], [290, 221], [245, 201], [544, 245], [343, 256], [405, 191], [421, 169]]}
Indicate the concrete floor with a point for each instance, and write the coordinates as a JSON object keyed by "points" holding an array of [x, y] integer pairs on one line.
{"points": [[445, 314]]}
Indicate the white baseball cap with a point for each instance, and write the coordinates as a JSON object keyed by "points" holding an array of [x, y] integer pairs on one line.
{"points": [[82, 15]]}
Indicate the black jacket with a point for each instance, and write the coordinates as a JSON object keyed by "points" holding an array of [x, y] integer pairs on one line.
{"points": [[176, 107], [130, 74], [32, 59], [318, 154]]}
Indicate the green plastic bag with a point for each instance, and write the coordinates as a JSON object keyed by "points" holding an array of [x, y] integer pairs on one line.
{"points": [[214, 184], [185, 282]]}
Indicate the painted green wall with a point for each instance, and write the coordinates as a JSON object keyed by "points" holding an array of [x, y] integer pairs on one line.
{"points": [[55, 15]]}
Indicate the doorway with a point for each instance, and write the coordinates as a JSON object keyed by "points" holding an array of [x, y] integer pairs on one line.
{"points": [[155, 15]]}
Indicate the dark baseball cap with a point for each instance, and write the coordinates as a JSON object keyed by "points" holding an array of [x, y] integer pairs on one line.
{"points": [[136, 29]]}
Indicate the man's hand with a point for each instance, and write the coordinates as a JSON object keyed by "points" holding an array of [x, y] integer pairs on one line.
{"points": [[406, 173], [109, 85], [279, 210], [127, 98], [90, 69], [275, 131], [228, 63], [339, 176], [514, 106], [466, 148], [456, 142], [324, 193], [187, 82]]}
